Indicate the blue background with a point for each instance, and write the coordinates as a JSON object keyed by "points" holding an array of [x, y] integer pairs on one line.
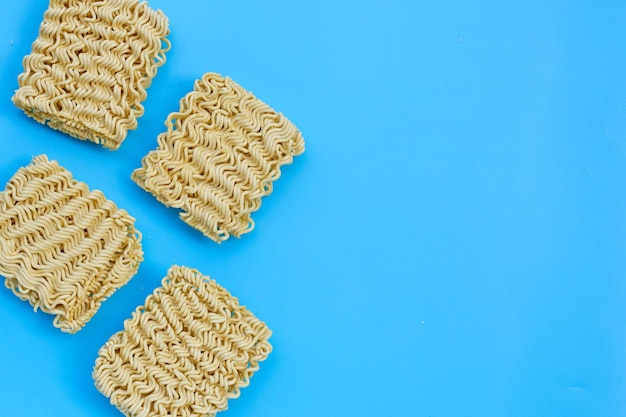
{"points": [[452, 242]]}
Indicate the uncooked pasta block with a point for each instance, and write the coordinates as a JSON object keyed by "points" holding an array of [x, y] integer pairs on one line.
{"points": [[219, 156], [185, 352], [63, 248], [90, 66]]}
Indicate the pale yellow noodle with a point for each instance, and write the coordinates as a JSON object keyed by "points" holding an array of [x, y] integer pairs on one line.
{"points": [[63, 248], [219, 156], [184, 353], [90, 66]]}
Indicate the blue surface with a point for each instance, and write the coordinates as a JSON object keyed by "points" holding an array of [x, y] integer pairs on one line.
{"points": [[452, 243]]}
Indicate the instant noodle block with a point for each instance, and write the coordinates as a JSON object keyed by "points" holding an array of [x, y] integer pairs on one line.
{"points": [[64, 248], [90, 66], [220, 155], [184, 353]]}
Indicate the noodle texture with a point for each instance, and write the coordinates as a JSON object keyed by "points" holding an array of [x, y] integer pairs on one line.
{"points": [[63, 248], [219, 156], [90, 66], [188, 350]]}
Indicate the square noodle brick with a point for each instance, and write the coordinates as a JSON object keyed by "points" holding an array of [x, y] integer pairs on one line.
{"points": [[90, 66], [184, 353], [220, 155], [63, 248]]}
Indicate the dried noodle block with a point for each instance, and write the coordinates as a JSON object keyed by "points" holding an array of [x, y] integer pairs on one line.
{"points": [[219, 156], [63, 248], [188, 350], [90, 66]]}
